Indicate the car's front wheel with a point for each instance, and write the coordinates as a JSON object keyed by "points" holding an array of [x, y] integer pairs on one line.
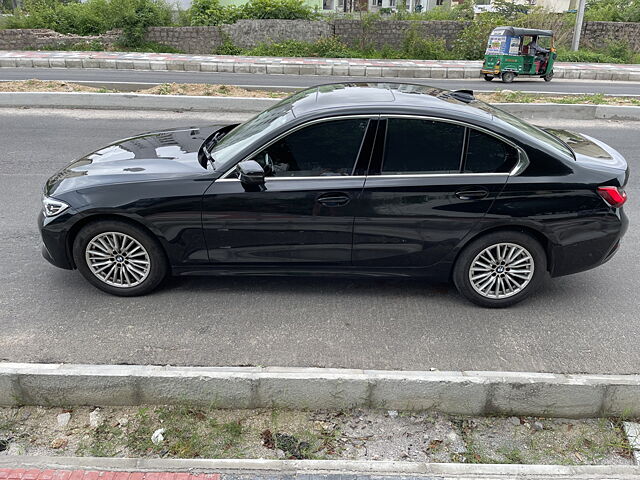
{"points": [[500, 269], [119, 258]]}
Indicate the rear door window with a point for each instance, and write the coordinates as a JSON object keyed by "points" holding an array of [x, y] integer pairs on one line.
{"points": [[415, 146], [488, 154]]}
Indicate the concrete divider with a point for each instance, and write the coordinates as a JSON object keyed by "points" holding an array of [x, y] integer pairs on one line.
{"points": [[469, 393], [131, 101]]}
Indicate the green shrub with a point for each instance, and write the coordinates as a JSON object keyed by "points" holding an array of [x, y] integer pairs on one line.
{"points": [[418, 47], [94, 17], [282, 9], [613, 10], [211, 12], [472, 42]]}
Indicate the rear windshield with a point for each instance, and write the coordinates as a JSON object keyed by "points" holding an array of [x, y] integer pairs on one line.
{"points": [[555, 143]]}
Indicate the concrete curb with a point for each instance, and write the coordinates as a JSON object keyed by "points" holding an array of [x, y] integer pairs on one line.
{"points": [[324, 467], [467, 393], [354, 67], [130, 101]]}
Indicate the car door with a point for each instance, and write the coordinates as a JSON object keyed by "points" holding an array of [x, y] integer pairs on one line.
{"points": [[304, 214], [430, 182]]}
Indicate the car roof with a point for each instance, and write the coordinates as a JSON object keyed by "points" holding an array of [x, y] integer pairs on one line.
{"points": [[519, 32], [378, 97]]}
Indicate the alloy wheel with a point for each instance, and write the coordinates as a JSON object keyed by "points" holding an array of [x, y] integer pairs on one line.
{"points": [[501, 270], [118, 259]]}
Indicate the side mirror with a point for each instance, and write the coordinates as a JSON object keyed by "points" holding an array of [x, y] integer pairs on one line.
{"points": [[251, 175]]}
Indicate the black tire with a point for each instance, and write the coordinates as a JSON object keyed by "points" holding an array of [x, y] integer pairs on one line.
{"points": [[156, 271], [548, 77], [488, 78], [508, 77], [462, 268]]}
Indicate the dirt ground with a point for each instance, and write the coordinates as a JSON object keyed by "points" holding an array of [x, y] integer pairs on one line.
{"points": [[163, 89], [198, 89], [191, 432]]}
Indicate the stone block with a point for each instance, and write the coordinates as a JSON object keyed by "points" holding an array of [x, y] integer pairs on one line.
{"points": [[208, 67], [25, 62], [357, 70], [438, 72], [290, 69], [226, 67], [90, 63], [373, 71], [158, 65], [259, 68], [340, 70], [124, 64], [274, 68], [177, 65]]}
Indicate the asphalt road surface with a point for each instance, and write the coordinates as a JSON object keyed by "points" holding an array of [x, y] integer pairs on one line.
{"points": [[247, 79], [589, 322]]}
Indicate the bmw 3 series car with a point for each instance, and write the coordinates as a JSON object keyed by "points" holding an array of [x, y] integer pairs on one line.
{"points": [[369, 179]]}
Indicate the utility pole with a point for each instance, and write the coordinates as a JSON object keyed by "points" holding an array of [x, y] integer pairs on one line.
{"points": [[575, 43]]}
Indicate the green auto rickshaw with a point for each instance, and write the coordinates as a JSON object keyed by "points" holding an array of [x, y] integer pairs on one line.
{"points": [[515, 52]]}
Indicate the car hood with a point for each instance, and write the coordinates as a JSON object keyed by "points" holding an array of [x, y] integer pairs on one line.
{"points": [[150, 156]]}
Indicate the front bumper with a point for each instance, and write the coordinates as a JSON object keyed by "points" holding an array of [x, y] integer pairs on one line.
{"points": [[54, 240]]}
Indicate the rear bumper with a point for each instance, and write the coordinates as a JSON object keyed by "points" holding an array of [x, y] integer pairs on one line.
{"points": [[591, 252]]}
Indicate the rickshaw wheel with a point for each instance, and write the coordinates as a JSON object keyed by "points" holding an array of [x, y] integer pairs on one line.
{"points": [[507, 77], [488, 78], [548, 77]]}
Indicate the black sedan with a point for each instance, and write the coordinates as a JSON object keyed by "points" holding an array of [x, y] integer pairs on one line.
{"points": [[359, 179]]}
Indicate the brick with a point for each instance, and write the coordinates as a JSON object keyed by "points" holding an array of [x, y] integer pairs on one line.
{"points": [[77, 475]]}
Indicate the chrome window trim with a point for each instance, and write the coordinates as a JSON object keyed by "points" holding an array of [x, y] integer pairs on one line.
{"points": [[521, 164], [374, 116]]}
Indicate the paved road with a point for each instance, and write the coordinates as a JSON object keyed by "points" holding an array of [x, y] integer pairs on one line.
{"points": [[105, 75], [583, 323]]}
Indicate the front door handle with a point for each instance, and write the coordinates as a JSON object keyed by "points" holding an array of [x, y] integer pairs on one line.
{"points": [[472, 194], [334, 199]]}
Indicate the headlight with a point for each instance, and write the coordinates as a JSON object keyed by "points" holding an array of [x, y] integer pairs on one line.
{"points": [[53, 207]]}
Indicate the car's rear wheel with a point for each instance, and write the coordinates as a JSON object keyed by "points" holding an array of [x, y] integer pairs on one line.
{"points": [[500, 269], [548, 77], [488, 77], [119, 258]]}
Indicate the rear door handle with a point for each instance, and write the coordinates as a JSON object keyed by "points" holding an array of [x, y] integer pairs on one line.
{"points": [[334, 199], [475, 194]]}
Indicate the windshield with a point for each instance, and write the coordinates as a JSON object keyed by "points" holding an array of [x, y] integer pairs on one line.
{"points": [[244, 135], [550, 140]]}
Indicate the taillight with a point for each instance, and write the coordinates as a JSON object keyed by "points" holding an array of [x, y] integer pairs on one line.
{"points": [[614, 196]]}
